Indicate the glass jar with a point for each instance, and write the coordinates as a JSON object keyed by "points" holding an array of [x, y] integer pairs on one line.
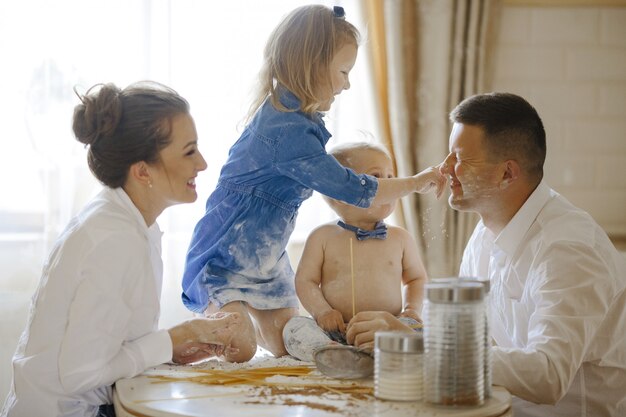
{"points": [[487, 348], [398, 366], [488, 361], [454, 340]]}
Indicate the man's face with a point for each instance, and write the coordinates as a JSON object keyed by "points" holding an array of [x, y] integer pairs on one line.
{"points": [[474, 179]]}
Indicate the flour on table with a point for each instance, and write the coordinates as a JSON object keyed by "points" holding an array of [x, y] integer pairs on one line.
{"points": [[262, 359]]}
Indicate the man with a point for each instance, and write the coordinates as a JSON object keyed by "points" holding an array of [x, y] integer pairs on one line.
{"points": [[558, 297]]}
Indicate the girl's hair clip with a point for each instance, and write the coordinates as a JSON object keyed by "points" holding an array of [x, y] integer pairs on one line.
{"points": [[339, 12]]}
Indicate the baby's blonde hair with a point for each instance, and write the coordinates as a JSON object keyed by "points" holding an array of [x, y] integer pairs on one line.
{"points": [[343, 151], [298, 54]]}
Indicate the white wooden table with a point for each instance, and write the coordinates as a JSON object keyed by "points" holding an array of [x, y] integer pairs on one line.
{"points": [[145, 395]]}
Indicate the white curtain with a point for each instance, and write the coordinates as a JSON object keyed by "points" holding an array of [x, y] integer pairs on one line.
{"points": [[434, 53], [209, 51]]}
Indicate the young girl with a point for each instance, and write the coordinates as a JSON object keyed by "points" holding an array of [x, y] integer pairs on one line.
{"points": [[236, 260]]}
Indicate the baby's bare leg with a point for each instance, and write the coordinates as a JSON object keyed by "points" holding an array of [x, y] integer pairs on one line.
{"points": [[270, 325], [244, 339]]}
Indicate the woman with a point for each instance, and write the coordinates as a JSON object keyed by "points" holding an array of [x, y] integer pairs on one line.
{"points": [[94, 315]]}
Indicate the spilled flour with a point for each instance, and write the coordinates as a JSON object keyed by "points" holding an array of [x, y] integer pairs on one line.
{"points": [[213, 388], [263, 359], [323, 396]]}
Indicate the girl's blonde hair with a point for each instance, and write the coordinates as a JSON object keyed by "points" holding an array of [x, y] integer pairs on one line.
{"points": [[298, 54]]}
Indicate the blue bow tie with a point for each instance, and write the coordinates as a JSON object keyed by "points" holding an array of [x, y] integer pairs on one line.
{"points": [[379, 232]]}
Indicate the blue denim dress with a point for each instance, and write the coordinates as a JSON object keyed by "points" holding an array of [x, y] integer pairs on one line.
{"points": [[237, 250]]}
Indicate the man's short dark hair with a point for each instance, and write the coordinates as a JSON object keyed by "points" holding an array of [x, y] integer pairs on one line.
{"points": [[513, 129]]}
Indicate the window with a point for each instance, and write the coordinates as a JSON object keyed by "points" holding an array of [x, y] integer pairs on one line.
{"points": [[210, 52]]}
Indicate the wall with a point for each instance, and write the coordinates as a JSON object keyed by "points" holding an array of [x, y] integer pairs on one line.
{"points": [[570, 63]]}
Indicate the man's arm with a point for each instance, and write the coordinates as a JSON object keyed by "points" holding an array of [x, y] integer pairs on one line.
{"points": [[572, 290]]}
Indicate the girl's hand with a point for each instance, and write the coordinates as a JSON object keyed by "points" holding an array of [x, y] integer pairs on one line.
{"points": [[428, 179], [330, 321]]}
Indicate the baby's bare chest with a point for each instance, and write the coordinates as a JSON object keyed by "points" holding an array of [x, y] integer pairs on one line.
{"points": [[366, 260]]}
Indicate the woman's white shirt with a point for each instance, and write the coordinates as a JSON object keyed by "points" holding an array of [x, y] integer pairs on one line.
{"points": [[94, 317]]}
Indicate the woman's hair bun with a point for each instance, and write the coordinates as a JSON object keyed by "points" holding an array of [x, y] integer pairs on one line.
{"points": [[98, 114]]}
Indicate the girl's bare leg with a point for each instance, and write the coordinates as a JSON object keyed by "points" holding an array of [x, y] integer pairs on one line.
{"points": [[270, 325], [244, 339]]}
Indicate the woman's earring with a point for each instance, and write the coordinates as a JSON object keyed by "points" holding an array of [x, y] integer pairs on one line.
{"points": [[149, 184]]}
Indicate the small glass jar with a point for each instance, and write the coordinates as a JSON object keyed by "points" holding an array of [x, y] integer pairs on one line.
{"points": [[398, 366], [454, 340]]}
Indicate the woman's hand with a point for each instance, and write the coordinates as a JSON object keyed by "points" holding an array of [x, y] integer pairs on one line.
{"points": [[201, 338], [194, 352], [330, 321], [362, 327]]}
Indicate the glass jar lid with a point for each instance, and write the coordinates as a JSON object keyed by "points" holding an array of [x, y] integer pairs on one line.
{"points": [[399, 342], [485, 282], [455, 292], [453, 280]]}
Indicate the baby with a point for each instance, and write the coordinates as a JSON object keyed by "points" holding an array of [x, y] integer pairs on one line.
{"points": [[356, 264]]}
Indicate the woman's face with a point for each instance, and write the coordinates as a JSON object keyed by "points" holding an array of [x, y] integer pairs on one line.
{"points": [[340, 68], [173, 178]]}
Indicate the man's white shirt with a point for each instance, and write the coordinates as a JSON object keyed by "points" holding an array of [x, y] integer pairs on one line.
{"points": [[557, 313]]}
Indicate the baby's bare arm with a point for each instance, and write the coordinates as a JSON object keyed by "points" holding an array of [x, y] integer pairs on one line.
{"points": [[413, 278], [308, 279]]}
